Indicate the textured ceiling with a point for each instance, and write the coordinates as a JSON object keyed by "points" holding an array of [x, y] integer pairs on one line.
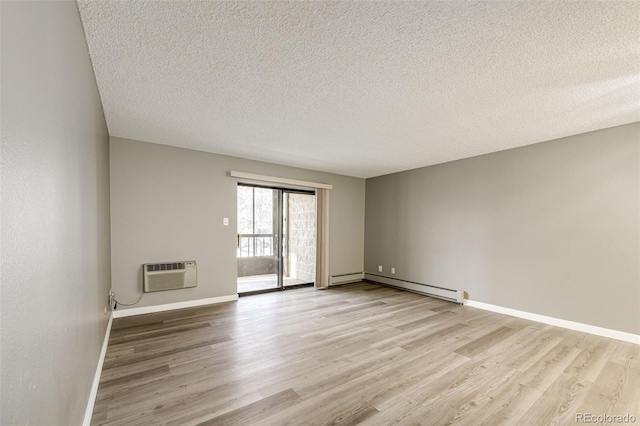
{"points": [[363, 88]]}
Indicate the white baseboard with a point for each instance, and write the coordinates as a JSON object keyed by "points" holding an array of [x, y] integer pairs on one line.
{"points": [[139, 311], [571, 325], [346, 278], [96, 379], [172, 306]]}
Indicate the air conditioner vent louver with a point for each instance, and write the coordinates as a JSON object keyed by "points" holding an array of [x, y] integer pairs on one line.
{"points": [[169, 275], [151, 267]]}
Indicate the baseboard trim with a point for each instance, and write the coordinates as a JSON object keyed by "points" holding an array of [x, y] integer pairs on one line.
{"points": [[571, 325], [346, 278], [172, 306], [96, 378]]}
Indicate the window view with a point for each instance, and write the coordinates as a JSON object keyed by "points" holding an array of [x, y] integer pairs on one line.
{"points": [[255, 222]]}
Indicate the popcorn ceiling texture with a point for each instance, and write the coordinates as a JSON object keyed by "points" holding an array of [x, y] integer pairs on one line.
{"points": [[363, 88]]}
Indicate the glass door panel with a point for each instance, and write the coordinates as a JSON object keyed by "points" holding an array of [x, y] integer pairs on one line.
{"points": [[299, 238], [258, 248]]}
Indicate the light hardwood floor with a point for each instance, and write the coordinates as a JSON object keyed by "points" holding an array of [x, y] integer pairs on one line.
{"points": [[358, 354]]}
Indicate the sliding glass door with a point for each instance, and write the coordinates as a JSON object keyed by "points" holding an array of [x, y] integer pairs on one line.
{"points": [[276, 238]]}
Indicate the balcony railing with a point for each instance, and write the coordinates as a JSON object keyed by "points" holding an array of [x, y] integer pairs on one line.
{"points": [[256, 245]]}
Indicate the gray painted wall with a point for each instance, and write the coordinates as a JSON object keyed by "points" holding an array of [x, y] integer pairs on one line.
{"points": [[551, 228], [168, 203], [55, 216]]}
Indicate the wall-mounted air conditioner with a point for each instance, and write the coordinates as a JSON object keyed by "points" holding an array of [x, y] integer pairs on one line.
{"points": [[169, 275]]}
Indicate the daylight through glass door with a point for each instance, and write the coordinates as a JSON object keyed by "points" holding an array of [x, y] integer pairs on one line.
{"points": [[276, 238]]}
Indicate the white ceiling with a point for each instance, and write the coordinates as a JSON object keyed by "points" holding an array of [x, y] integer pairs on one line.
{"points": [[363, 88]]}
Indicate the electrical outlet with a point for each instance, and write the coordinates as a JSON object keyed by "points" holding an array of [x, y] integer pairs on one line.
{"points": [[379, 268], [393, 270], [112, 295]]}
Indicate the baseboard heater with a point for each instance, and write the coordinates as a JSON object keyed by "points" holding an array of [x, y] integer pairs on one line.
{"points": [[456, 296], [346, 278]]}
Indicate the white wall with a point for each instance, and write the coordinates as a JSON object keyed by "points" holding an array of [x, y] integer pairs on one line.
{"points": [[551, 228], [168, 203], [55, 216]]}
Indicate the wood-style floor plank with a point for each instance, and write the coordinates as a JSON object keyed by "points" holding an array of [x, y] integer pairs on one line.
{"points": [[357, 354]]}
